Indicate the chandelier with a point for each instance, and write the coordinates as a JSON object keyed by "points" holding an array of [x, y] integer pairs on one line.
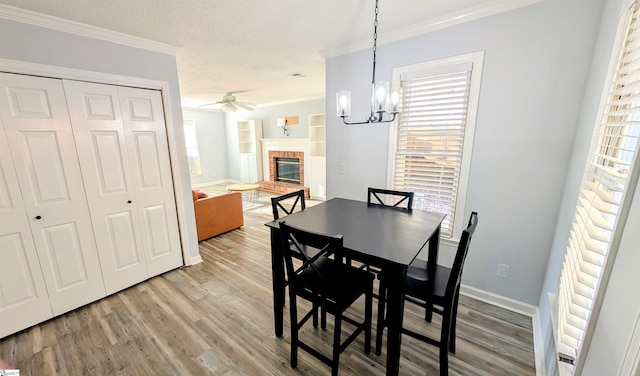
{"points": [[381, 97]]}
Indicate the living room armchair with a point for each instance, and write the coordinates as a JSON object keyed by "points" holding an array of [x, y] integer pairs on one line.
{"points": [[217, 214]]}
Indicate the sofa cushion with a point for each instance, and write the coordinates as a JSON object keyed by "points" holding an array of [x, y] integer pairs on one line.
{"points": [[196, 194]]}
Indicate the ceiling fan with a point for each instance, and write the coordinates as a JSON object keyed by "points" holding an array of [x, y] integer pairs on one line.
{"points": [[230, 104]]}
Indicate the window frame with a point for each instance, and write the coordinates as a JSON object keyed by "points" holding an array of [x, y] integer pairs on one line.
{"points": [[476, 59]]}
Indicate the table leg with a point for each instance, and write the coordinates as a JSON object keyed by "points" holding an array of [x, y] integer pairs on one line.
{"points": [[432, 263], [277, 277], [395, 313]]}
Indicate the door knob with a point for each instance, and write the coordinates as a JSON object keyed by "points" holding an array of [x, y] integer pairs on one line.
{"points": [[38, 217]]}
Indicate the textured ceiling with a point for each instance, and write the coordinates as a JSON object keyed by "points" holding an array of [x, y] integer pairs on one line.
{"points": [[253, 47]]}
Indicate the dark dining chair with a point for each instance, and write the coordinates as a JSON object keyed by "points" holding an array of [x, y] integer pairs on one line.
{"points": [[328, 284], [439, 292], [389, 198], [287, 203]]}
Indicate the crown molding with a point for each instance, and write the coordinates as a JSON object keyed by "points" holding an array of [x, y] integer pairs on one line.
{"points": [[451, 19], [292, 100], [77, 28]]}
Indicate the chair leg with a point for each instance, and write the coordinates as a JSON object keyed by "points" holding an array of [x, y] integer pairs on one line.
{"points": [[382, 298], [293, 315], [335, 361], [445, 334], [452, 331], [315, 314], [323, 318], [368, 306], [428, 312]]}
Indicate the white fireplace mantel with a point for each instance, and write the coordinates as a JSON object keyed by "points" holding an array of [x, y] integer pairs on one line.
{"points": [[284, 144]]}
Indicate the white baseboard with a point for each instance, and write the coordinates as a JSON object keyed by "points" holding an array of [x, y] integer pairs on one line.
{"points": [[538, 345], [213, 183], [499, 300], [194, 260]]}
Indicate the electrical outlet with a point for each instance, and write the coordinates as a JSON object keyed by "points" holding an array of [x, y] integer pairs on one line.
{"points": [[341, 169], [503, 270]]}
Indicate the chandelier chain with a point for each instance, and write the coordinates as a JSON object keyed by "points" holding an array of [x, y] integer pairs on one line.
{"points": [[375, 39]]}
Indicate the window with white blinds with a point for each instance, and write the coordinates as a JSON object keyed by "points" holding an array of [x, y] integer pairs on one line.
{"points": [[601, 206], [193, 152], [432, 140]]}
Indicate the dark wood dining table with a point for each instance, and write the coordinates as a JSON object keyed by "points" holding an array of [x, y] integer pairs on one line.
{"points": [[384, 237]]}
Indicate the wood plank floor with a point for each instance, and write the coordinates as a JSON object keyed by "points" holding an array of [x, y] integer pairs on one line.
{"points": [[215, 318]]}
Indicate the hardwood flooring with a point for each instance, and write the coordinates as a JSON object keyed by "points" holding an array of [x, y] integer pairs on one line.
{"points": [[215, 318]]}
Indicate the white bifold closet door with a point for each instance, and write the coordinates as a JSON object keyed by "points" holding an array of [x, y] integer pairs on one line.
{"points": [[121, 140], [42, 147], [87, 206], [23, 296]]}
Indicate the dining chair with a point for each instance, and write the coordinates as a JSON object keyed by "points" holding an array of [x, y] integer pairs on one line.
{"points": [[287, 203], [328, 284], [389, 198], [439, 292], [282, 206]]}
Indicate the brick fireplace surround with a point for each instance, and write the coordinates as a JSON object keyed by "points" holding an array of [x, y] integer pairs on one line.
{"points": [[277, 187]]}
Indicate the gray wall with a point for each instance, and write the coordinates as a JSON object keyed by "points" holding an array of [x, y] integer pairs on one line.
{"points": [[532, 86], [33, 44], [268, 115], [212, 144]]}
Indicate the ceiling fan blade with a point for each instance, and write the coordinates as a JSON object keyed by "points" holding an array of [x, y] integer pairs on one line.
{"points": [[245, 106], [246, 103], [208, 104]]}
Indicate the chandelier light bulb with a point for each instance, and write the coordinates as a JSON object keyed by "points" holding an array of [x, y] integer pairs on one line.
{"points": [[395, 101], [343, 100], [381, 100]]}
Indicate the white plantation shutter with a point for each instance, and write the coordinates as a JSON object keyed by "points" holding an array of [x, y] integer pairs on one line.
{"points": [[430, 137], [607, 177]]}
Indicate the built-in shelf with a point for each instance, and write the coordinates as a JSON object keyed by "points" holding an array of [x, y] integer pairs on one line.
{"points": [[249, 135], [317, 135], [317, 154]]}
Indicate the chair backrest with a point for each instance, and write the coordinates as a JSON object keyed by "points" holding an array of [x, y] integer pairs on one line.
{"points": [[294, 240], [401, 200], [295, 200], [461, 254]]}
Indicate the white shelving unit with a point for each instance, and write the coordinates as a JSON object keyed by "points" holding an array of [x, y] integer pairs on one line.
{"points": [[318, 155], [318, 135], [249, 135]]}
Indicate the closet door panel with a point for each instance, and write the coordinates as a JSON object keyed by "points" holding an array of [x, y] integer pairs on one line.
{"points": [[99, 131], [23, 297], [145, 132], [43, 151]]}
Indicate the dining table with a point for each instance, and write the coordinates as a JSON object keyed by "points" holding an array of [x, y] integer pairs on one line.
{"points": [[387, 238]]}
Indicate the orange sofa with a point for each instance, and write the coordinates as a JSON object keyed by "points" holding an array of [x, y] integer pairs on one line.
{"points": [[217, 214]]}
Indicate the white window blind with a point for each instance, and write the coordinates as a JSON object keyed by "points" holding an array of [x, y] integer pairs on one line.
{"points": [[433, 137], [605, 183]]}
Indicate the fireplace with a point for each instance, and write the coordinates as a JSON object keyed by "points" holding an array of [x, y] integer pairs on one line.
{"points": [[286, 167], [288, 170]]}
